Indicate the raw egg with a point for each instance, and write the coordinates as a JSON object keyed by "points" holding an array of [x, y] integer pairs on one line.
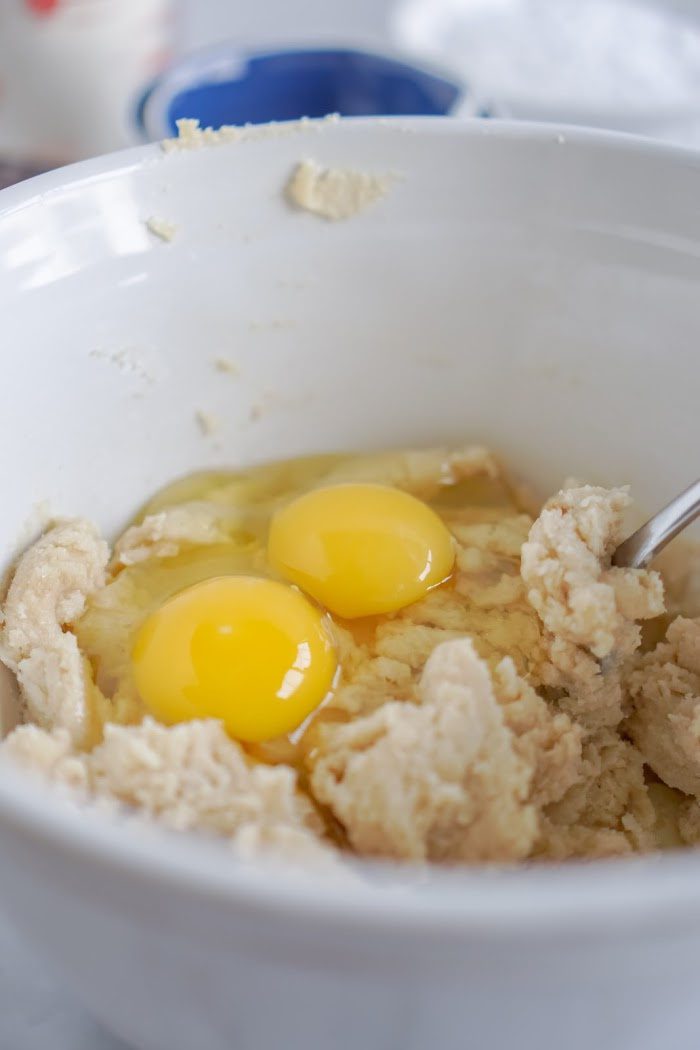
{"points": [[360, 550], [252, 652]]}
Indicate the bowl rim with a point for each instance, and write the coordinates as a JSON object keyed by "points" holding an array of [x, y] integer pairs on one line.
{"points": [[585, 898], [57, 181]]}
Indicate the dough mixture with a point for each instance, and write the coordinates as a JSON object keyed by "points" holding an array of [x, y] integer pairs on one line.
{"points": [[520, 699]]}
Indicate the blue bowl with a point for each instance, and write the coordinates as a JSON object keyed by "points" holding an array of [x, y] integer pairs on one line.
{"points": [[224, 85]]}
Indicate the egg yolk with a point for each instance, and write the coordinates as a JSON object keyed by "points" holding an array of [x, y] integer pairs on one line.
{"points": [[360, 549], [251, 652]]}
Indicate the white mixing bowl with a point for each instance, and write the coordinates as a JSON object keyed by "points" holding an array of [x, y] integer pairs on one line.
{"points": [[529, 288]]}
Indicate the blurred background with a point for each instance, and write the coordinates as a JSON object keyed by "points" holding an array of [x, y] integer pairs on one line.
{"points": [[206, 20], [82, 77]]}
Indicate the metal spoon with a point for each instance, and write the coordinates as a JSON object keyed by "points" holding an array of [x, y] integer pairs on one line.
{"points": [[644, 544]]}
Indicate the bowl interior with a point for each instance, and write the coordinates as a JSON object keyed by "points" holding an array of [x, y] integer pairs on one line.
{"points": [[531, 290]]}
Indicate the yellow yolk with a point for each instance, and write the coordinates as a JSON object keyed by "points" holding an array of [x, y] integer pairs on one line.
{"points": [[360, 550], [251, 652]]}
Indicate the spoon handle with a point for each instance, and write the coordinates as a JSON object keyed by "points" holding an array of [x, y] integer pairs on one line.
{"points": [[644, 544]]}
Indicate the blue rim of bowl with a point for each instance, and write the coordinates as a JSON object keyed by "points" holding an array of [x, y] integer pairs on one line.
{"points": [[227, 61]]}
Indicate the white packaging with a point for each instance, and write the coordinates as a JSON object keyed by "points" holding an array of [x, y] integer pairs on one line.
{"points": [[630, 65], [71, 71]]}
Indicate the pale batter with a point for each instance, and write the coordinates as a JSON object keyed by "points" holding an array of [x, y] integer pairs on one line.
{"points": [[509, 714]]}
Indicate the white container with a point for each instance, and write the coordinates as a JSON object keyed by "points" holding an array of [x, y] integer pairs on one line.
{"points": [[532, 288], [71, 71]]}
